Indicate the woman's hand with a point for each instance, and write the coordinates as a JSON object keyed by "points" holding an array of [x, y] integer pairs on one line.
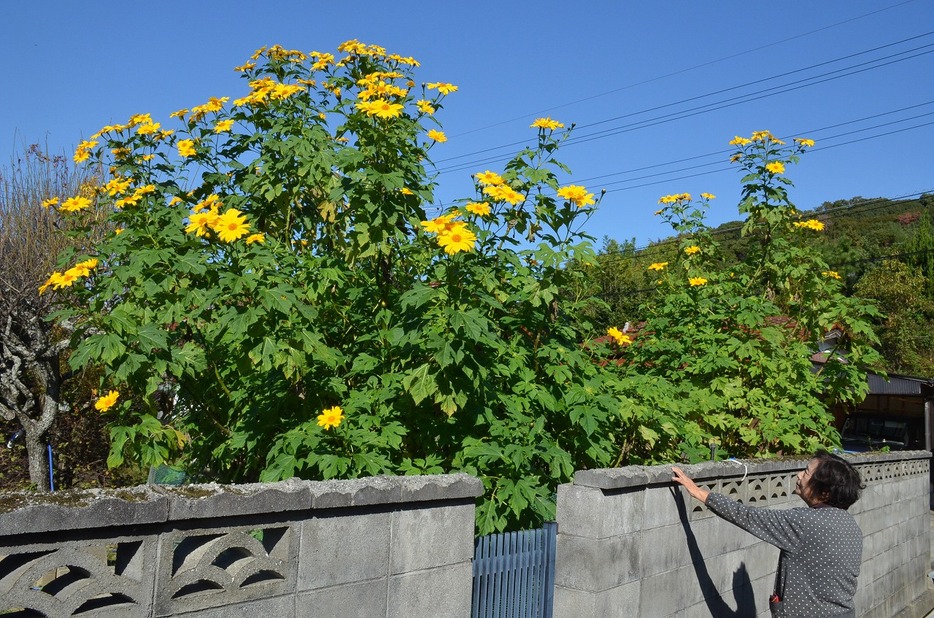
{"points": [[683, 479]]}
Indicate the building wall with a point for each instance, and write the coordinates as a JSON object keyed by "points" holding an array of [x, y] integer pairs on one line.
{"points": [[384, 546], [632, 543]]}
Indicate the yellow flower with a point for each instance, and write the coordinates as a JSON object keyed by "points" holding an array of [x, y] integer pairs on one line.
{"points": [[186, 148], [53, 281], [178, 113], [201, 222], [175, 200], [761, 136], [696, 281], [736, 158], [252, 238], [83, 151], [118, 231], [478, 208], [489, 178], [149, 128], [832, 274], [406, 191], [223, 126], [440, 224], [443, 88], [137, 119], [437, 136], [619, 336], [740, 141], [456, 239], [667, 199], [804, 142], [504, 193], [74, 204], [381, 108], [425, 107], [330, 417], [231, 225], [658, 265], [546, 123], [107, 401], [83, 269], [692, 249], [707, 196], [775, 167], [811, 224], [577, 195], [52, 201], [211, 202]]}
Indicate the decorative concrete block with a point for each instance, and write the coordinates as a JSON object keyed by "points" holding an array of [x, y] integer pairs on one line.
{"points": [[440, 593], [427, 538], [343, 549]]}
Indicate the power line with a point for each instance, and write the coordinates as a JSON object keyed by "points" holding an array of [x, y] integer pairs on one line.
{"points": [[705, 108], [685, 70]]}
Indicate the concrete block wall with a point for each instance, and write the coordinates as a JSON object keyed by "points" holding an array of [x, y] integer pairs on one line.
{"points": [[383, 546], [632, 543]]}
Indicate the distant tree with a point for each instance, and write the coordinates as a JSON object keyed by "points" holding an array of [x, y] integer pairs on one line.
{"points": [[31, 347], [904, 331]]}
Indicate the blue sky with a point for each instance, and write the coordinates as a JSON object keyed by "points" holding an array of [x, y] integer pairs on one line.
{"points": [[667, 83]]}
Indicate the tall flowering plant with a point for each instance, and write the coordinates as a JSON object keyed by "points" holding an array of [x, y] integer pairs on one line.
{"points": [[727, 354], [279, 296]]}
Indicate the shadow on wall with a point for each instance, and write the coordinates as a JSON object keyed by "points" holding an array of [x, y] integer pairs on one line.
{"points": [[742, 585]]}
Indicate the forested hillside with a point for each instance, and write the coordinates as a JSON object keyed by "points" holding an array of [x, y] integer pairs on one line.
{"points": [[882, 249]]}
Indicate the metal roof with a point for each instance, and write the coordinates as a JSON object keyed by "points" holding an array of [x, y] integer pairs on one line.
{"points": [[900, 385]]}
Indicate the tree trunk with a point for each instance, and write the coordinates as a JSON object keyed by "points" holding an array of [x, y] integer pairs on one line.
{"points": [[38, 454]]}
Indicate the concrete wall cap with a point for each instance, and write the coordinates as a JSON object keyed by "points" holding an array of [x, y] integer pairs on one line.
{"points": [[639, 476]]}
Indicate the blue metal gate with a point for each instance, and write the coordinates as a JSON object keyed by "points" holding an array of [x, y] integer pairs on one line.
{"points": [[514, 574]]}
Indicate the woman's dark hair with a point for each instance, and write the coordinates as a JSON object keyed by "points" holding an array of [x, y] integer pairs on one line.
{"points": [[835, 480]]}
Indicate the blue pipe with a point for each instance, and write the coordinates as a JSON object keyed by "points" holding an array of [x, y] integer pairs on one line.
{"points": [[51, 477]]}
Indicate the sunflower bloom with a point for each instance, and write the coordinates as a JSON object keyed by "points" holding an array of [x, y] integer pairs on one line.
{"points": [[200, 223], [489, 178], [223, 126], [697, 281], [708, 196], [83, 151], [54, 281], [107, 401], [811, 224], [231, 225], [832, 274], [692, 250], [52, 201], [457, 239], [547, 124], [481, 209], [74, 204], [259, 237], [437, 136], [658, 265], [619, 336], [775, 167], [443, 88], [504, 193], [425, 107], [440, 225], [186, 148], [577, 195], [804, 142], [330, 417], [740, 141]]}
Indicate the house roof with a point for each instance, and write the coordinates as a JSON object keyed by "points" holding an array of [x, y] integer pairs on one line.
{"points": [[901, 385]]}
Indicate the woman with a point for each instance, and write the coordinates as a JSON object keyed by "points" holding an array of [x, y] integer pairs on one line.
{"points": [[821, 545]]}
